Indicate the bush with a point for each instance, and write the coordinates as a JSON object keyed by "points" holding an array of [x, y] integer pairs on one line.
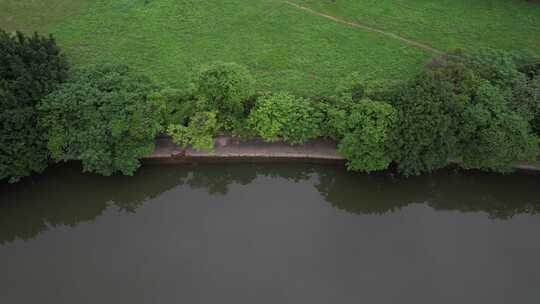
{"points": [[104, 118], [531, 70], [335, 122], [30, 68], [199, 133], [335, 114], [425, 139], [459, 109], [526, 102], [283, 116], [494, 137], [177, 106], [528, 63], [351, 88], [366, 143], [496, 66], [226, 87]]}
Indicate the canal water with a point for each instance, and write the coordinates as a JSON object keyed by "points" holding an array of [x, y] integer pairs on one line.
{"points": [[269, 233]]}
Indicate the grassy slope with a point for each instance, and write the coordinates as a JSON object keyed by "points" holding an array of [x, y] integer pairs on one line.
{"points": [[38, 15], [285, 47], [508, 24]]}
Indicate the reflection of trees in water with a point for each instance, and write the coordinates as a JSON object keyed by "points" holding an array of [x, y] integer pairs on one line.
{"points": [[64, 196], [216, 178], [499, 196], [361, 193]]}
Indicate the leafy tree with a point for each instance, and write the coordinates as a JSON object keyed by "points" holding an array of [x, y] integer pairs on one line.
{"points": [[177, 106], [199, 133], [429, 113], [424, 139], [335, 123], [495, 137], [366, 143], [102, 116], [526, 101], [335, 113], [226, 87], [528, 63], [336, 108], [30, 68], [186, 120], [283, 116], [496, 66], [458, 109]]}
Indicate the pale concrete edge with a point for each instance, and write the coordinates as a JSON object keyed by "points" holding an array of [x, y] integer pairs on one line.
{"points": [[168, 152]]}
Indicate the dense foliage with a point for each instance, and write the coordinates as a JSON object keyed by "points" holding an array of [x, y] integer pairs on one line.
{"points": [[479, 110], [494, 137], [424, 139], [177, 106], [471, 108], [283, 116], [225, 88], [30, 68], [368, 137], [526, 101], [102, 117], [199, 133]]}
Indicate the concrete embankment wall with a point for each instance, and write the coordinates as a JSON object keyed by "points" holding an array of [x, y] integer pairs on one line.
{"points": [[231, 149]]}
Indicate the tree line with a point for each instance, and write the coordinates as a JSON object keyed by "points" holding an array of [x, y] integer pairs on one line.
{"points": [[480, 109]]}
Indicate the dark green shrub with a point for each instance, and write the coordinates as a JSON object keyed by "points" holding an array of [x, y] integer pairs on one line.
{"points": [[283, 116], [367, 139], [102, 116], [30, 68], [496, 66], [528, 63], [531, 70], [494, 137], [177, 106], [425, 137], [351, 87], [335, 114], [459, 109], [226, 87], [526, 102], [199, 133], [337, 108]]}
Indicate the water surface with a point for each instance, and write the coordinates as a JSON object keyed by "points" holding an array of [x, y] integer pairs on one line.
{"points": [[274, 233]]}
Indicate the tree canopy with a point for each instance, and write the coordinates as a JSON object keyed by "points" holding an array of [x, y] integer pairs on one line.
{"points": [[30, 68], [224, 88], [283, 116], [103, 116], [367, 140]]}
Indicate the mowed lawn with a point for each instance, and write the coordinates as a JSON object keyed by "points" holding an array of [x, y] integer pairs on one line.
{"points": [[286, 48]]}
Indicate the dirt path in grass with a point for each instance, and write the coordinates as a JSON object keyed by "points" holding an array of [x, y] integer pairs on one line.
{"points": [[368, 28]]}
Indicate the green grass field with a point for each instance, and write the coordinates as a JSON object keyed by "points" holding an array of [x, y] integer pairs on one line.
{"points": [[285, 47]]}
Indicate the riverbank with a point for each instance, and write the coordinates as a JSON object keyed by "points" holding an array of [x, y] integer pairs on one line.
{"points": [[228, 148]]}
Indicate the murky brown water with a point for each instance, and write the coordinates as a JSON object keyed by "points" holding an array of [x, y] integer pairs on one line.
{"points": [[273, 233]]}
